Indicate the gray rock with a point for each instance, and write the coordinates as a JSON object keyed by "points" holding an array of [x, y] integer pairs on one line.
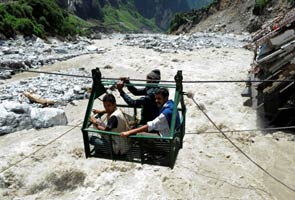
{"points": [[24, 53], [47, 117], [91, 48], [17, 108], [14, 118], [25, 122]]}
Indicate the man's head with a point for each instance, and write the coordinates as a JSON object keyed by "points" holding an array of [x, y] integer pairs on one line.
{"points": [[154, 76], [161, 96], [109, 103]]}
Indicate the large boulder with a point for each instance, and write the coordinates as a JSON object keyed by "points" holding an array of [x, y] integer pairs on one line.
{"points": [[47, 117], [14, 116]]}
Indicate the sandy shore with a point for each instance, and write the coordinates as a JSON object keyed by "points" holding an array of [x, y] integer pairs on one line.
{"points": [[208, 167]]}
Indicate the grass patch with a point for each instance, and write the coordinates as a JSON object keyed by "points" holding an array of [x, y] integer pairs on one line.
{"points": [[261, 3], [126, 19]]}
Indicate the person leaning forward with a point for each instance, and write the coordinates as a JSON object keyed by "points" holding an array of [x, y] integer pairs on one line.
{"points": [[149, 107], [163, 121]]}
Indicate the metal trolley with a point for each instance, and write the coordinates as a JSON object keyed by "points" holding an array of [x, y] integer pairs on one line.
{"points": [[153, 150]]}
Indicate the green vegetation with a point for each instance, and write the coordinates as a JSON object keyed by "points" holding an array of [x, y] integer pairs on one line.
{"points": [[183, 18], [125, 18], [38, 17], [178, 20], [259, 6], [261, 3]]}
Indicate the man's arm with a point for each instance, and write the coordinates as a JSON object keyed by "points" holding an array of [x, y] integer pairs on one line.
{"points": [[159, 123], [135, 91], [131, 102], [112, 123], [134, 131]]}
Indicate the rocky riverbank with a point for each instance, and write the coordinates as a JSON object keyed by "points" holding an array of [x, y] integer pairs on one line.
{"points": [[20, 112], [191, 42], [32, 52]]}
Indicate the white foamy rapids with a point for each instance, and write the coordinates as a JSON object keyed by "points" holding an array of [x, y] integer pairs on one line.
{"points": [[208, 166]]}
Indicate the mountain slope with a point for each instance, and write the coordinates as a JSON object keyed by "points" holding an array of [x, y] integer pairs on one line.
{"points": [[132, 15], [230, 16], [38, 17]]}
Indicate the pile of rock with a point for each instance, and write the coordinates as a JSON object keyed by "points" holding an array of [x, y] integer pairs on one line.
{"points": [[275, 60], [163, 43], [17, 112], [15, 116], [59, 89], [25, 53]]}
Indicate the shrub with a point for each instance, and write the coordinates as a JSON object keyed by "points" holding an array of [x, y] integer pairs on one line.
{"points": [[259, 6], [178, 20], [25, 26], [38, 17]]}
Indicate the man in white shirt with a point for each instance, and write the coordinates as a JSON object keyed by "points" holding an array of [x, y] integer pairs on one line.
{"points": [[163, 121]]}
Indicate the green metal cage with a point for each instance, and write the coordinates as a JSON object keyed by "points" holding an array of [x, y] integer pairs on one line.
{"points": [[154, 150]]}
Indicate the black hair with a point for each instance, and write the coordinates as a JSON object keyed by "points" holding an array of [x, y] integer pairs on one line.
{"points": [[162, 91], [109, 98]]}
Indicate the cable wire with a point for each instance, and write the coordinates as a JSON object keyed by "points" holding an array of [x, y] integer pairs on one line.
{"points": [[249, 130], [44, 72], [231, 131], [52, 141], [238, 148], [163, 81]]}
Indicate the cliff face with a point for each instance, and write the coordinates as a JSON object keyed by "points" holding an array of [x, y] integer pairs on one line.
{"points": [[230, 16], [83, 8], [162, 11]]}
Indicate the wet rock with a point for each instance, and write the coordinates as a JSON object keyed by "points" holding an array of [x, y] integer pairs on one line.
{"points": [[14, 117], [96, 36], [47, 117], [108, 67], [17, 107], [49, 87], [91, 48], [186, 42]]}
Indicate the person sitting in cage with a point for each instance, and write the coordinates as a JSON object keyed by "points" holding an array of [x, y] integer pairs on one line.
{"points": [[162, 122], [147, 102], [116, 122]]}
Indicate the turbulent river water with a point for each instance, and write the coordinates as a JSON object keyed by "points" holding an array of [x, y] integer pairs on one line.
{"points": [[208, 166]]}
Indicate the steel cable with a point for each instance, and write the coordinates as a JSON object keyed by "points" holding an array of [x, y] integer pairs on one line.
{"points": [[238, 148], [52, 141], [144, 80]]}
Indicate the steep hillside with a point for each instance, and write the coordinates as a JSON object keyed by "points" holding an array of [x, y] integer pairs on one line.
{"points": [[38, 17], [27, 16], [132, 15], [230, 16]]}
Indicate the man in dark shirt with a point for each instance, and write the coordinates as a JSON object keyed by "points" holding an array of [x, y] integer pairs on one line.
{"points": [[149, 107]]}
